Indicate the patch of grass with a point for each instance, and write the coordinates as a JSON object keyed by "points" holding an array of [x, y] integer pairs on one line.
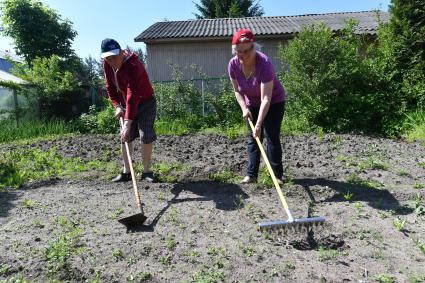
{"points": [[4, 269], [140, 277], [264, 178], [421, 164], [172, 216], [169, 172], [224, 176], [165, 260], [208, 276], [59, 251], [29, 204], [171, 243], [420, 245], [239, 202], [30, 129], [116, 214], [418, 186], [415, 126], [25, 165], [417, 278], [193, 256], [230, 132], [384, 278], [326, 254], [418, 205], [372, 163], [171, 127], [354, 179], [248, 251], [399, 224], [118, 255], [403, 173]]}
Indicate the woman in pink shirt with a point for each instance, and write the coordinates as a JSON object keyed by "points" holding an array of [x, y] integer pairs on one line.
{"points": [[262, 99]]}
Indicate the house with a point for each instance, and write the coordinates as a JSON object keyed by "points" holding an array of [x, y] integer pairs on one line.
{"points": [[206, 43], [10, 100]]}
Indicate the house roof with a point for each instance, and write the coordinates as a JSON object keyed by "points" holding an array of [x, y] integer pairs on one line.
{"points": [[8, 77], [261, 26]]}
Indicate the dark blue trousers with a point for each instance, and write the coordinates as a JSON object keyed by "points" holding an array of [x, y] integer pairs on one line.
{"points": [[271, 130]]}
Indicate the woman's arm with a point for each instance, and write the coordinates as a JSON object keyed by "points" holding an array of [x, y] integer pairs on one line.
{"points": [[266, 97], [241, 101]]}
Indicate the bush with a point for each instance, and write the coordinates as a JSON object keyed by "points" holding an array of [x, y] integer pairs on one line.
{"points": [[98, 122]]}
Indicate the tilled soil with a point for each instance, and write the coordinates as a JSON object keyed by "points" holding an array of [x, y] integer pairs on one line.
{"points": [[200, 230]]}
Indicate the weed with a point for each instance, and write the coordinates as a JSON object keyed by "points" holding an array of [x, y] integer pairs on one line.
{"points": [[193, 256], [420, 245], [326, 254], [417, 279], [239, 202], [348, 196], [165, 260], [248, 251], [140, 277], [224, 176], [419, 205], [29, 204], [37, 223], [171, 243], [353, 178], [358, 205], [118, 255], [372, 163], [399, 224], [418, 186], [4, 269], [377, 254], [264, 178], [210, 275], [117, 212], [290, 265], [169, 173], [172, 216], [403, 173], [384, 278], [421, 164]]}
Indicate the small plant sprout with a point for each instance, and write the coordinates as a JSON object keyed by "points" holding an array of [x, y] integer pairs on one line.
{"points": [[419, 205], [348, 196], [418, 186], [118, 255], [29, 204], [399, 224], [239, 202]]}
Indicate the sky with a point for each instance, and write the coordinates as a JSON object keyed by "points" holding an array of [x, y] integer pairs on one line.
{"points": [[123, 20]]}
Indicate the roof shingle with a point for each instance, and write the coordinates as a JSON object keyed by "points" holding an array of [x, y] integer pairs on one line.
{"points": [[261, 26]]}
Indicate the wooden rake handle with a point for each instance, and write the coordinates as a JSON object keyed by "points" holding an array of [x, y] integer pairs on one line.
{"points": [[133, 176], [269, 167]]}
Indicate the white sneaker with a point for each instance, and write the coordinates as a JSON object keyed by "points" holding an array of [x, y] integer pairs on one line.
{"points": [[248, 180]]}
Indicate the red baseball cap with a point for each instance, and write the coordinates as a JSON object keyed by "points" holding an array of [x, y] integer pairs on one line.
{"points": [[243, 36]]}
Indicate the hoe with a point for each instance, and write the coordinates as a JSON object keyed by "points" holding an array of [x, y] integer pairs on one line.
{"points": [[137, 219], [291, 224]]}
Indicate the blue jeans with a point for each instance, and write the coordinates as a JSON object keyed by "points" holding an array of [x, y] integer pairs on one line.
{"points": [[271, 129]]}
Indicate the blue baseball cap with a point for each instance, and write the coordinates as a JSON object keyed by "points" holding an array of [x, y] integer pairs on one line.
{"points": [[109, 47]]}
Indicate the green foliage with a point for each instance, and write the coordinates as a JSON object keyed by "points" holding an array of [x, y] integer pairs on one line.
{"points": [[414, 126], [224, 176], [98, 122], [331, 81], [399, 224], [326, 254], [30, 129], [211, 275], [169, 172], [419, 205], [209, 9], [264, 178], [384, 278], [37, 30]]}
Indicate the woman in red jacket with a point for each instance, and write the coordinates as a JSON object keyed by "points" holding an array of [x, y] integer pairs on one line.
{"points": [[132, 95]]}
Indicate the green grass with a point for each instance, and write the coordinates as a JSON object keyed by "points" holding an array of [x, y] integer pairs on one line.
{"points": [[230, 132], [171, 127], [415, 126], [384, 278], [30, 129], [224, 176], [169, 172], [24, 165], [326, 254]]}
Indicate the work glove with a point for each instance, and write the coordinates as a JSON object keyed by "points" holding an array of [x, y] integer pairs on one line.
{"points": [[119, 113], [125, 130]]}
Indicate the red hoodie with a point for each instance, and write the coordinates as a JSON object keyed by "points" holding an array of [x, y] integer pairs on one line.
{"points": [[129, 86]]}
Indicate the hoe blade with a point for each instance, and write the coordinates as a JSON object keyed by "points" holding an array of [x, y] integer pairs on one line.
{"points": [[133, 221]]}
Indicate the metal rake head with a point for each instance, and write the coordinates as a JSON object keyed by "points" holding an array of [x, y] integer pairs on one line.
{"points": [[299, 225]]}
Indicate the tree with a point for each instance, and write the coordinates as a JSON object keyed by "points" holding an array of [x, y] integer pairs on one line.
{"points": [[407, 26], [210, 9], [37, 30]]}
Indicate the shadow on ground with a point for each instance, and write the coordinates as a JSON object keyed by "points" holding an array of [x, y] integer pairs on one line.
{"points": [[380, 199]]}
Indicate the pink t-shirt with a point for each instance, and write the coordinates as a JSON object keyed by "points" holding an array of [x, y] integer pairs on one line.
{"points": [[251, 88]]}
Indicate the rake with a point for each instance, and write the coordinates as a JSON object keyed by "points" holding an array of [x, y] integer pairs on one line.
{"points": [[291, 224]]}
